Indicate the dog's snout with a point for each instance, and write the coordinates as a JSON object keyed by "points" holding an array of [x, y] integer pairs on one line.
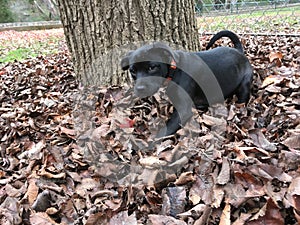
{"points": [[140, 87]]}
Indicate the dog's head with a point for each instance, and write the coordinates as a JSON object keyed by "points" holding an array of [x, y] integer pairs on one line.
{"points": [[149, 66]]}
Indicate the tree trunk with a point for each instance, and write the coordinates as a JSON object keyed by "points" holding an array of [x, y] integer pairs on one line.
{"points": [[97, 31]]}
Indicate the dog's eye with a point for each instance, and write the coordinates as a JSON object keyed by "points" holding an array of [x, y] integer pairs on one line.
{"points": [[152, 68], [132, 71]]}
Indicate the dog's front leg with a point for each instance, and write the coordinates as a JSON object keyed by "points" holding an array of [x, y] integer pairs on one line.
{"points": [[172, 125], [182, 103]]}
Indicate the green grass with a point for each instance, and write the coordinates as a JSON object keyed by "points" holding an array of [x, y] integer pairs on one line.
{"points": [[17, 54], [29, 44], [271, 20], [21, 53]]}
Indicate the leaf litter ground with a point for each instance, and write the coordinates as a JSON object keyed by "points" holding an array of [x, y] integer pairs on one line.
{"points": [[76, 156]]}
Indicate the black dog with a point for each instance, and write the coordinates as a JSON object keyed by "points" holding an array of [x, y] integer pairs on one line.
{"points": [[199, 78]]}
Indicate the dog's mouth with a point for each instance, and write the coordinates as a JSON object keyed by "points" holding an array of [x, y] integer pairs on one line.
{"points": [[147, 86], [145, 91]]}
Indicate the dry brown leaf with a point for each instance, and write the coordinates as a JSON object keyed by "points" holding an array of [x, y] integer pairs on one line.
{"points": [[260, 140], [97, 219], [205, 216], [225, 217], [269, 214], [271, 80], [293, 195], [196, 211], [34, 152], [218, 195], [41, 219], [174, 200], [87, 184], [224, 175], [52, 211], [32, 191], [152, 162], [270, 172], [236, 194], [44, 173], [202, 189], [42, 202], [69, 132], [297, 215], [9, 211], [277, 57], [292, 142], [242, 219], [162, 220], [123, 218], [100, 132], [185, 178]]}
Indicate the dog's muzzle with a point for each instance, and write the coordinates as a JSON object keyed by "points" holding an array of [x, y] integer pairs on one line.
{"points": [[145, 87]]}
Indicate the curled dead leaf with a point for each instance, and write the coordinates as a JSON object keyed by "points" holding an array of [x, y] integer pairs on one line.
{"points": [[224, 175], [42, 202], [174, 200], [271, 80], [123, 218], [32, 191], [44, 173], [41, 218], [162, 220], [292, 142], [185, 178], [225, 217], [152, 162], [276, 57]]}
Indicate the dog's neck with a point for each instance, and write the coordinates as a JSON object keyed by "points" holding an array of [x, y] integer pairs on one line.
{"points": [[172, 70]]}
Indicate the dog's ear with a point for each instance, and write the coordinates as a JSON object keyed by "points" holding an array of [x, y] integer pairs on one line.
{"points": [[168, 52], [125, 61]]}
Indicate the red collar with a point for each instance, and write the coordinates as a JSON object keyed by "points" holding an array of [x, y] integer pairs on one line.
{"points": [[172, 70]]}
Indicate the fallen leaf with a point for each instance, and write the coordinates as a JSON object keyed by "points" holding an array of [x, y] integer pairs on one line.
{"points": [[271, 80], [32, 191], [196, 211], [174, 199], [42, 202], [123, 218], [162, 220], [41, 219], [224, 175], [270, 214], [277, 57], [292, 142], [225, 218], [185, 178], [260, 140]]}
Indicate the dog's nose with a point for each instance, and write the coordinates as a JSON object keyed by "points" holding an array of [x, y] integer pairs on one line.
{"points": [[140, 87]]}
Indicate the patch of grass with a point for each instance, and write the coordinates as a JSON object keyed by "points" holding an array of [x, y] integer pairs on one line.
{"points": [[22, 52], [257, 20], [21, 45], [17, 54]]}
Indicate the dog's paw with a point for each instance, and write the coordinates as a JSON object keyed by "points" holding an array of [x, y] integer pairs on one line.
{"points": [[161, 133], [240, 105]]}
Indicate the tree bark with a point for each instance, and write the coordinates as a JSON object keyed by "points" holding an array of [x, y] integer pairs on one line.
{"points": [[97, 32]]}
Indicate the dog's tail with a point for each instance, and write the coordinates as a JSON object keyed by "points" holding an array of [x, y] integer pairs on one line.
{"points": [[232, 36]]}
